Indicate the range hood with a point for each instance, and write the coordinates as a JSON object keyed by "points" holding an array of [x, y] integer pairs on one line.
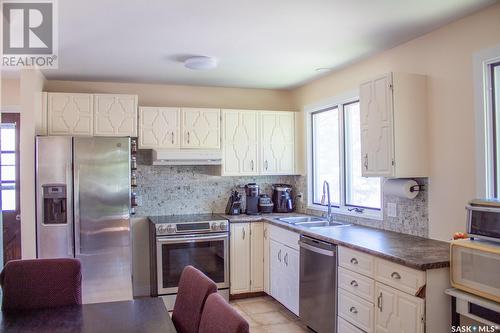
{"points": [[187, 157]]}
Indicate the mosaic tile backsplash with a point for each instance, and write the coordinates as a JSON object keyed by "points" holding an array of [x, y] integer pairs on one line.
{"points": [[173, 190]]}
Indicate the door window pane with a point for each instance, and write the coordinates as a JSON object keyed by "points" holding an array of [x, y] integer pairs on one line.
{"points": [[495, 98], [8, 197], [8, 137], [360, 191], [8, 173], [326, 154], [8, 159]]}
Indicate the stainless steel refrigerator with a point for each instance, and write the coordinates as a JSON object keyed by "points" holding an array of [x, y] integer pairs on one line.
{"points": [[83, 210]]}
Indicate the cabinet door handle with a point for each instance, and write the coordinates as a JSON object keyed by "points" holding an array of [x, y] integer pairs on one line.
{"points": [[354, 283], [172, 137], [354, 261], [285, 259], [266, 165], [395, 275], [189, 137], [353, 310], [265, 233], [366, 162], [243, 232], [279, 256], [251, 162], [379, 302]]}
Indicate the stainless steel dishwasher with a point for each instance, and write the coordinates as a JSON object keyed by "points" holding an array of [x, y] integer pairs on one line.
{"points": [[318, 285]]}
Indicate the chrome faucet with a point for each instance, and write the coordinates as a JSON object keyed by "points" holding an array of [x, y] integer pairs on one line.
{"points": [[326, 190]]}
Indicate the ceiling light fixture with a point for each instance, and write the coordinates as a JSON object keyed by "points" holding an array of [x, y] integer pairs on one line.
{"points": [[323, 69], [200, 62]]}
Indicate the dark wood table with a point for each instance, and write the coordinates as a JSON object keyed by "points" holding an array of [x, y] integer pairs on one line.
{"points": [[142, 315]]}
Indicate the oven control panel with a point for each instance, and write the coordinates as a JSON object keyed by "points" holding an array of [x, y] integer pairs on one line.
{"points": [[191, 227]]}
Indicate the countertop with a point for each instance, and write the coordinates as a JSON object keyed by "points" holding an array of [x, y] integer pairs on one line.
{"points": [[412, 251]]}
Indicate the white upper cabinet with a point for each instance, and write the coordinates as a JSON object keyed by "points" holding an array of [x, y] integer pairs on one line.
{"points": [[240, 142], [200, 128], [159, 128], [115, 115], [277, 142], [70, 114], [394, 126]]}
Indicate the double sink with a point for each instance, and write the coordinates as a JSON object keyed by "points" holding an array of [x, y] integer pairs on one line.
{"points": [[310, 222]]}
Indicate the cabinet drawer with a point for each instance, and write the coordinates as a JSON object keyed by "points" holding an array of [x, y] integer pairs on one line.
{"points": [[400, 277], [357, 284], [283, 236], [356, 261], [346, 327], [356, 310]]}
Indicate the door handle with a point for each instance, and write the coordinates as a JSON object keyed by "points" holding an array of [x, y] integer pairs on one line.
{"points": [[279, 256], [189, 137], [266, 164], [172, 137], [265, 233], [251, 164], [379, 302], [18, 217], [244, 233], [366, 162], [285, 259]]}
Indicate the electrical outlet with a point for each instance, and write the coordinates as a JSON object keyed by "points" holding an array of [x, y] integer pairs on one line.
{"points": [[392, 209], [300, 196]]}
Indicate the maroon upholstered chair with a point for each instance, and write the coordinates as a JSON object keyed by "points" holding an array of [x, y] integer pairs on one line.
{"points": [[194, 288], [220, 317], [41, 283]]}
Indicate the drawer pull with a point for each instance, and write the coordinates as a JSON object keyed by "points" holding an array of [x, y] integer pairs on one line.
{"points": [[379, 302], [395, 275], [354, 283], [353, 310], [354, 261]]}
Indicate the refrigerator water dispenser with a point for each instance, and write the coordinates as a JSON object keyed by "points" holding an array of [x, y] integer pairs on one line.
{"points": [[54, 204]]}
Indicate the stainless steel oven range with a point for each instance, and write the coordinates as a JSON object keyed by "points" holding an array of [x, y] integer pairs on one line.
{"points": [[177, 241]]}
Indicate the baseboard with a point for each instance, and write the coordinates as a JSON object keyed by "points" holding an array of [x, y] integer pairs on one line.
{"points": [[247, 295]]}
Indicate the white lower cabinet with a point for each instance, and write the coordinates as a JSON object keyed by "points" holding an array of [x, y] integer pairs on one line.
{"points": [[266, 258], [344, 326], [284, 275], [246, 257], [397, 311], [356, 310]]}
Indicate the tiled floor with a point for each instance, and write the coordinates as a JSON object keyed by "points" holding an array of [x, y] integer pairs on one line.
{"points": [[265, 315]]}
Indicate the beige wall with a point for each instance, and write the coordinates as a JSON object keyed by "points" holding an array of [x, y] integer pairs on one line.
{"points": [[187, 96], [10, 93], [445, 56], [31, 87]]}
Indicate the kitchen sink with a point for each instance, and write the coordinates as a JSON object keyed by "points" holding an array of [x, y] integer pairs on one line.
{"points": [[301, 219], [319, 224]]}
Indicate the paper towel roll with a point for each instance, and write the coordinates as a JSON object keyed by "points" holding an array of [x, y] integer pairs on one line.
{"points": [[400, 188]]}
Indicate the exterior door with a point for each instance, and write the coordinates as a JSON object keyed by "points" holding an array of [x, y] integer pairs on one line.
{"points": [[9, 181]]}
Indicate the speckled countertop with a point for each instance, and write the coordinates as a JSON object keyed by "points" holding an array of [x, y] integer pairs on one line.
{"points": [[412, 251]]}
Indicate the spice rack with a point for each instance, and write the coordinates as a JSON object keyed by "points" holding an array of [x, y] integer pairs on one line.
{"points": [[133, 175]]}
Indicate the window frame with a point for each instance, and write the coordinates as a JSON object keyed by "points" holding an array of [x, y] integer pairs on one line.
{"points": [[485, 121], [343, 208]]}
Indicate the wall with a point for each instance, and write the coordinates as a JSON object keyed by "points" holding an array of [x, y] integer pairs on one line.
{"points": [[9, 93], [31, 87], [187, 96], [445, 56]]}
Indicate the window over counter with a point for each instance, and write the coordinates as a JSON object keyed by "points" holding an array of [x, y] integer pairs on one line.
{"points": [[335, 157], [494, 90]]}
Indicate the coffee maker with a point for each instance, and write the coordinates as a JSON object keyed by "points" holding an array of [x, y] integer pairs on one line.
{"points": [[282, 198], [252, 198]]}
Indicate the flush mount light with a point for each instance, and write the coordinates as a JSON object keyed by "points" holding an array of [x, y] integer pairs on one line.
{"points": [[323, 69], [200, 62]]}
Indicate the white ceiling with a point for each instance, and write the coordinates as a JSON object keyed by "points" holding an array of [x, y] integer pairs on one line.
{"points": [[258, 43]]}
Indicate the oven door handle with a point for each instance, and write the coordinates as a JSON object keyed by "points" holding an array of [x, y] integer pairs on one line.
{"points": [[190, 239]]}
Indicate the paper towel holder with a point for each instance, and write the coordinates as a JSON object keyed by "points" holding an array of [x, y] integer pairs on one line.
{"points": [[417, 188]]}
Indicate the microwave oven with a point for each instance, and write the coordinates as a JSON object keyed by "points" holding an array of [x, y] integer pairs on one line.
{"points": [[483, 219], [475, 267]]}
